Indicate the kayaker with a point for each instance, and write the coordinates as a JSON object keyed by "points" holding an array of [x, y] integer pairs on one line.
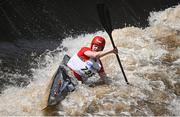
{"points": [[82, 65], [86, 62]]}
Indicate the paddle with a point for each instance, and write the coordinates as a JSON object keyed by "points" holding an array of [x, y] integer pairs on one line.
{"points": [[105, 19]]}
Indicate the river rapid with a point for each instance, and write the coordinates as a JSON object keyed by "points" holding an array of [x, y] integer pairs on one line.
{"points": [[151, 61]]}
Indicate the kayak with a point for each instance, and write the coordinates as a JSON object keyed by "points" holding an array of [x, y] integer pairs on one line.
{"points": [[61, 84]]}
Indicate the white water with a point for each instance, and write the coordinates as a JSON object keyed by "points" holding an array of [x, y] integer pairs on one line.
{"points": [[150, 58]]}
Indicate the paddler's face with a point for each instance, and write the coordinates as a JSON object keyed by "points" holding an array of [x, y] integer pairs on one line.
{"points": [[97, 48]]}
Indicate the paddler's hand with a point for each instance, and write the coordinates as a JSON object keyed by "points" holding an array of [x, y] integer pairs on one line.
{"points": [[115, 50]]}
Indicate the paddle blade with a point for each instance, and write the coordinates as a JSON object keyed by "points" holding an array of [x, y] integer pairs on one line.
{"points": [[104, 17]]}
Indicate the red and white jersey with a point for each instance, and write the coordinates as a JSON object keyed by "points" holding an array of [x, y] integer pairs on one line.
{"points": [[84, 66]]}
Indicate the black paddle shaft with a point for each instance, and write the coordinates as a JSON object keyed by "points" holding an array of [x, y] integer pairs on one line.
{"points": [[105, 19]]}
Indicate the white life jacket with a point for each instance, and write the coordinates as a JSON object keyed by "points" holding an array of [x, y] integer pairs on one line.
{"points": [[84, 68]]}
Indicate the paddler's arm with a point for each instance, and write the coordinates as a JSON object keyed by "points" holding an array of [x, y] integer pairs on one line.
{"points": [[102, 80], [99, 54]]}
